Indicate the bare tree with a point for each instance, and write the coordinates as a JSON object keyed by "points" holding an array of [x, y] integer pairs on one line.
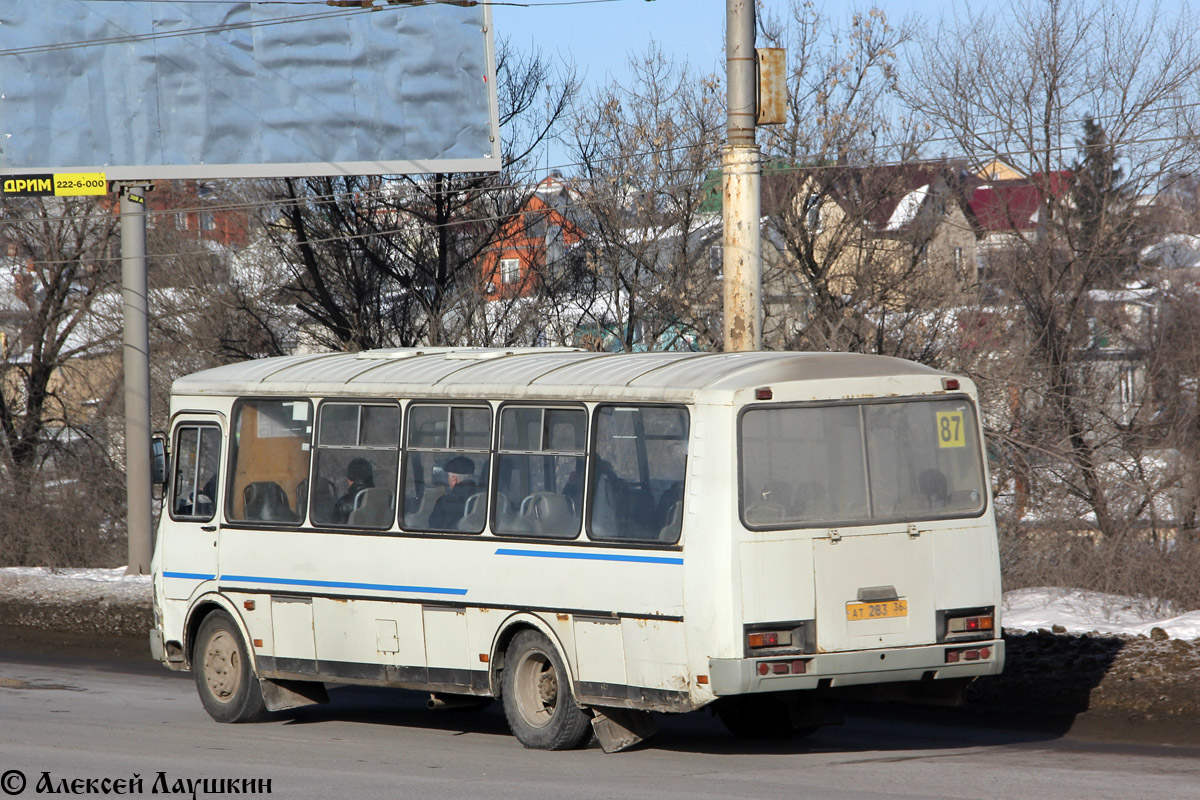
{"points": [[647, 153], [385, 262], [1131, 74], [863, 240], [56, 378]]}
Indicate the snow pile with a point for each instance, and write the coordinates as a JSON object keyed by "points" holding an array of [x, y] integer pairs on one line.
{"points": [[1079, 611], [42, 584]]}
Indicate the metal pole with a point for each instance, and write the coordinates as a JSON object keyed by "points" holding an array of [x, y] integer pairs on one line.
{"points": [[741, 169], [138, 491]]}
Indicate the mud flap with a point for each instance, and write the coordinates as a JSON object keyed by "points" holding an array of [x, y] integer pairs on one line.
{"points": [[618, 729], [280, 695]]}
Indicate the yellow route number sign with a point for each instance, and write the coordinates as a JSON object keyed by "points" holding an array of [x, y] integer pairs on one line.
{"points": [[61, 184], [951, 429]]}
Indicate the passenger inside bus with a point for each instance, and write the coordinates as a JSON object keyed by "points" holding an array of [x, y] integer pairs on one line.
{"points": [[460, 483], [360, 475]]}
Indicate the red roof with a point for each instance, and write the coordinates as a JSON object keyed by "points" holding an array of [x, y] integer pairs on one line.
{"points": [[1012, 205]]}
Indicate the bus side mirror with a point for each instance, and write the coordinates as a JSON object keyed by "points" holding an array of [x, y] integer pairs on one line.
{"points": [[158, 460]]}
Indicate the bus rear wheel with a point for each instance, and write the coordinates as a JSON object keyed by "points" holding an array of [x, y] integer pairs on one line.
{"points": [[536, 693], [221, 665]]}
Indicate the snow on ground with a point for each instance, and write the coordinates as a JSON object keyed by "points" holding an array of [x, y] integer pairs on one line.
{"points": [[1075, 610], [1082, 612], [69, 584]]}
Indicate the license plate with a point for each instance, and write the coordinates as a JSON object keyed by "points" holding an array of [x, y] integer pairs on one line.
{"points": [[888, 608]]}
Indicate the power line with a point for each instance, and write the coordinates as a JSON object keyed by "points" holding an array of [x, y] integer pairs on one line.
{"points": [[637, 155]]}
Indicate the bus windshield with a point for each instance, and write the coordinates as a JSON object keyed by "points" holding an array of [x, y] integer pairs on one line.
{"points": [[859, 463]]}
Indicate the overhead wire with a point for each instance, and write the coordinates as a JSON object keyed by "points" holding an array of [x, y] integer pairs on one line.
{"points": [[652, 174], [775, 168]]}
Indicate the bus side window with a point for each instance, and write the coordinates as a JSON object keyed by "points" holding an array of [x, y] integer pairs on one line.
{"points": [[197, 462], [447, 463], [270, 444], [637, 483], [540, 468], [354, 472]]}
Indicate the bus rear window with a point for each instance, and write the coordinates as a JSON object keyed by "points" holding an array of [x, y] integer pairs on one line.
{"points": [[845, 464]]}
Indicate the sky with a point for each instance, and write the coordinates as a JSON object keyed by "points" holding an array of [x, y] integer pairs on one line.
{"points": [[601, 36]]}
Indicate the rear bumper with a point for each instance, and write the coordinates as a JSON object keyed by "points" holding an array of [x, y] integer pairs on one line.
{"points": [[733, 676]]}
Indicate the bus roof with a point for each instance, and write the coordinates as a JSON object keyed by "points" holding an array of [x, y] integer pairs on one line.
{"points": [[535, 373]]}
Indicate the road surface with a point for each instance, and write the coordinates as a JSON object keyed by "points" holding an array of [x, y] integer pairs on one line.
{"points": [[65, 722]]}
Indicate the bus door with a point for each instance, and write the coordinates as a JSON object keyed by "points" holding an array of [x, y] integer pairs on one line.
{"points": [[189, 550], [874, 590]]}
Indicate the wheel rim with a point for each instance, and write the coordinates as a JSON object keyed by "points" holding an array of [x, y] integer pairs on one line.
{"points": [[536, 687], [222, 666]]}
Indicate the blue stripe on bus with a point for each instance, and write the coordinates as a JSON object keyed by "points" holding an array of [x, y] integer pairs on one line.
{"points": [[505, 551], [383, 587], [195, 576]]}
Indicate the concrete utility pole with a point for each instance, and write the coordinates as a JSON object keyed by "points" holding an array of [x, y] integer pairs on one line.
{"points": [[741, 170], [136, 306]]}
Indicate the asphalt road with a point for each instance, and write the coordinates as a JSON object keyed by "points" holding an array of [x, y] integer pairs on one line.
{"points": [[103, 718]]}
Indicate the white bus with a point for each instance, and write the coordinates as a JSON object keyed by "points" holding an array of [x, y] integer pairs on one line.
{"points": [[588, 537]]}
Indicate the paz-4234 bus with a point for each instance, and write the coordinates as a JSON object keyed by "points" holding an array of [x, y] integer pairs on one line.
{"points": [[587, 537]]}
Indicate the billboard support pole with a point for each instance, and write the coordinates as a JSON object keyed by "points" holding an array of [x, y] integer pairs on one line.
{"points": [[136, 349]]}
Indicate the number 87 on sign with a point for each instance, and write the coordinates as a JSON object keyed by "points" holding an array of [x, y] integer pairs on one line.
{"points": [[950, 431]]}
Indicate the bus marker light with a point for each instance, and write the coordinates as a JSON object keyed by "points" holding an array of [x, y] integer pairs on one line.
{"points": [[258, 642], [763, 394], [950, 384], [483, 658], [702, 680], [248, 605]]}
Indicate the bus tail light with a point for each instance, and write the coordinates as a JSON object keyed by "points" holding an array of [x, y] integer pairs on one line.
{"points": [[780, 638], [761, 639], [968, 623], [968, 654], [796, 666]]}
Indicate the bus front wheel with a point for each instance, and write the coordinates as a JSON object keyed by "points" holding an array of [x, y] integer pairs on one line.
{"points": [[537, 696], [221, 665]]}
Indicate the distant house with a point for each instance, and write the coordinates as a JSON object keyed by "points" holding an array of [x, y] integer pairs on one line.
{"points": [[533, 245], [195, 210], [906, 226]]}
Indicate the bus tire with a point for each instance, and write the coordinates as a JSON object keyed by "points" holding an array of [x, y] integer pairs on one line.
{"points": [[221, 665], [537, 698], [760, 717]]}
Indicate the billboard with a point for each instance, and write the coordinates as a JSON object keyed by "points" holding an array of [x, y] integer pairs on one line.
{"points": [[142, 90]]}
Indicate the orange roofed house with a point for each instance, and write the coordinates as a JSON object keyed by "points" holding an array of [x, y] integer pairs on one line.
{"points": [[533, 244]]}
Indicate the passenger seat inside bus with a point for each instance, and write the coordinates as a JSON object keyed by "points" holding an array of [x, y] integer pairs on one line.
{"points": [[548, 514], [419, 519], [474, 513], [373, 509], [323, 502], [266, 501]]}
